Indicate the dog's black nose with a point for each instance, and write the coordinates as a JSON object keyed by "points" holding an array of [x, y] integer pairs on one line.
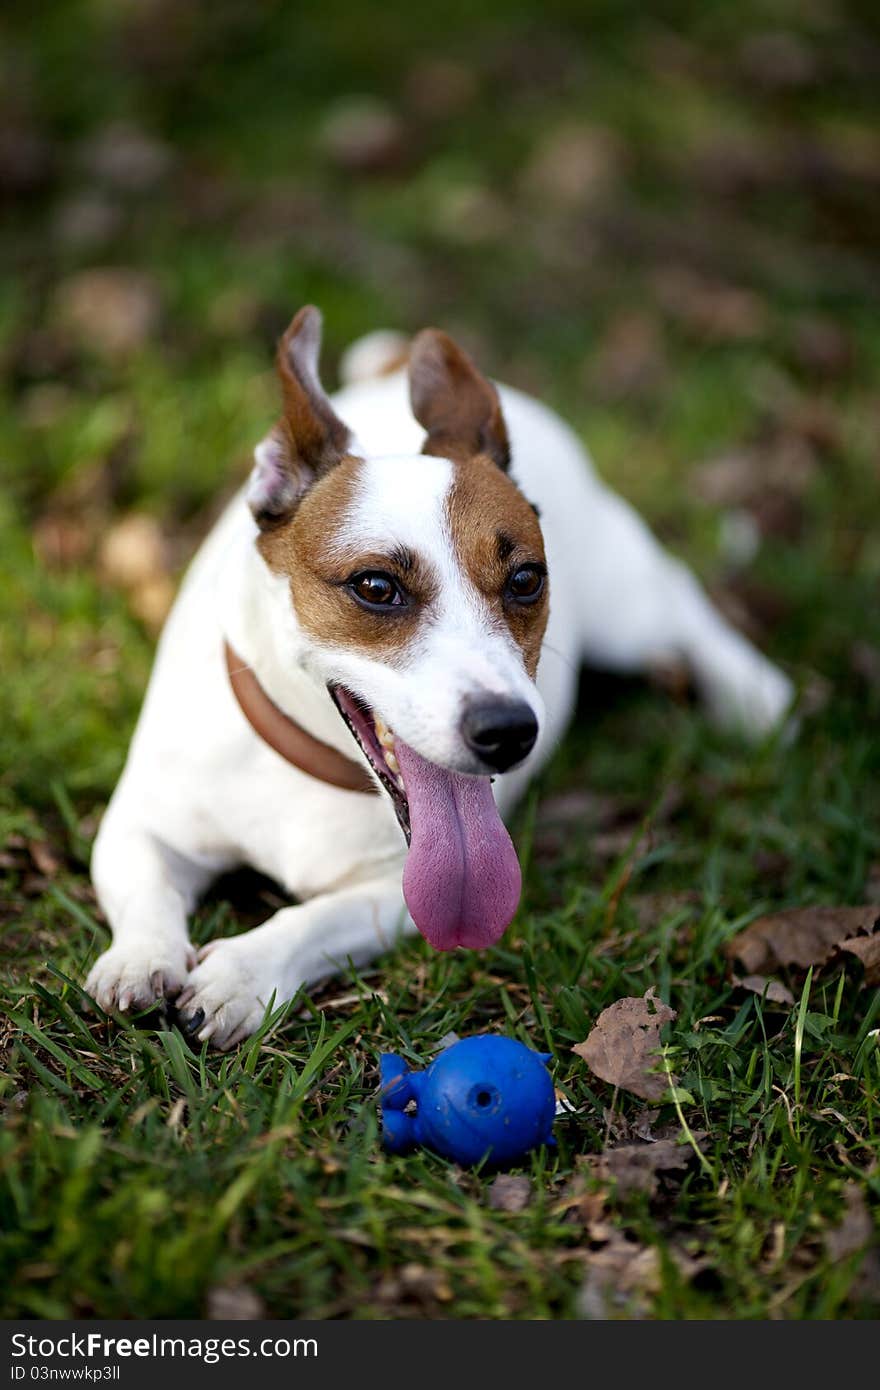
{"points": [[500, 732]]}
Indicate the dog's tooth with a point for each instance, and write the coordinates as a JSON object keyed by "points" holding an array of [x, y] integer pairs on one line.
{"points": [[383, 733], [392, 762]]}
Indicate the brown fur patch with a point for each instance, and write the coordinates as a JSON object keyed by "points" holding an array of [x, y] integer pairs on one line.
{"points": [[495, 531], [308, 550]]}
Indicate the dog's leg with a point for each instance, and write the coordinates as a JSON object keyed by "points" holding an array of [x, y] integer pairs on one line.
{"points": [[227, 994], [641, 608], [146, 892]]}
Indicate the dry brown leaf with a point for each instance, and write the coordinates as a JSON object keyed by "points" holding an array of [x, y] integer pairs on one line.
{"points": [[510, 1192], [872, 884], [636, 1167], [61, 542], [711, 310], [234, 1302], [363, 135], [855, 1230], [414, 1283], [133, 550], [772, 990], [867, 948], [574, 165], [44, 857], [622, 1278], [865, 662], [800, 937], [630, 359], [134, 556], [584, 1203], [623, 1046], [652, 908], [111, 310]]}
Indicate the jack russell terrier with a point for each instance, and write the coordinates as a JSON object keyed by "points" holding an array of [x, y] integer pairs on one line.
{"points": [[365, 666]]}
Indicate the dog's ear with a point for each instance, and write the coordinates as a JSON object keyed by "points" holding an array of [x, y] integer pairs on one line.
{"points": [[309, 440], [457, 406]]}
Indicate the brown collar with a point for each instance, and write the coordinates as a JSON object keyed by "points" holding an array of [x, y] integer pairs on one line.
{"points": [[288, 738]]}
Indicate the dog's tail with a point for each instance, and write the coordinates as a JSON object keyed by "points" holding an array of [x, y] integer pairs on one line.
{"points": [[376, 354]]}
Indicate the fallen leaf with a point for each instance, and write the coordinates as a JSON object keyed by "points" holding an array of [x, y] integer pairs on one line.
{"points": [[234, 1302], [133, 550], [622, 1277], [109, 310], [746, 477], [471, 214], [623, 1046], [872, 884], [573, 165], [779, 60], [151, 601], [711, 310], [126, 158], [87, 222], [800, 937], [134, 556], [636, 1167], [643, 1124], [855, 1229], [61, 542], [821, 346], [414, 1283], [582, 806], [772, 990], [510, 1192], [439, 88], [653, 908], [867, 949], [362, 135], [584, 1204], [44, 857], [627, 840], [630, 360], [865, 662]]}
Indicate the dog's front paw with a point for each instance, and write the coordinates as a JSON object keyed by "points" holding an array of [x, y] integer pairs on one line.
{"points": [[227, 994], [752, 697], [138, 974]]}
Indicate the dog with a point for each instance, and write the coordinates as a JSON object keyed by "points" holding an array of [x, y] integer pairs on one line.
{"points": [[373, 651]]}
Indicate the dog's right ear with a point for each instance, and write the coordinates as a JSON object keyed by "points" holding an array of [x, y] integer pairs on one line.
{"points": [[456, 405], [309, 440]]}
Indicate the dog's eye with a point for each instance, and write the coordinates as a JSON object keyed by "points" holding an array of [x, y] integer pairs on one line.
{"points": [[526, 584], [376, 590]]}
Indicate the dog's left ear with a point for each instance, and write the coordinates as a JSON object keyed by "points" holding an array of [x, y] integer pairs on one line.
{"points": [[457, 406], [309, 440]]}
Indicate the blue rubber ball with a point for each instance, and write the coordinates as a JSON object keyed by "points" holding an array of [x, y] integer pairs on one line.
{"points": [[484, 1097]]}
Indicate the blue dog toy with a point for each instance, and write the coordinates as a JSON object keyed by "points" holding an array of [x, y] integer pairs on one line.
{"points": [[483, 1097]]}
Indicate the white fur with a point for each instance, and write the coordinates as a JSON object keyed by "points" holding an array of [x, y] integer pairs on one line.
{"points": [[201, 792]]}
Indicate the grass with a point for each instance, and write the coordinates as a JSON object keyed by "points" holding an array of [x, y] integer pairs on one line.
{"points": [[136, 1174]]}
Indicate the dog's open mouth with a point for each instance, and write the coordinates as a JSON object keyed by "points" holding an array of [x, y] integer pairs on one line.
{"points": [[377, 742], [462, 878]]}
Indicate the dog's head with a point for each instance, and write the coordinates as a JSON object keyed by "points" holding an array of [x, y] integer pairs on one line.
{"points": [[419, 587]]}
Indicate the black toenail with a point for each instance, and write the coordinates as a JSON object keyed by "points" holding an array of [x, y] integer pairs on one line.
{"points": [[195, 1022]]}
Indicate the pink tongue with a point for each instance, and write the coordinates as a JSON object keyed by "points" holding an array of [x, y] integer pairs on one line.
{"points": [[462, 878]]}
